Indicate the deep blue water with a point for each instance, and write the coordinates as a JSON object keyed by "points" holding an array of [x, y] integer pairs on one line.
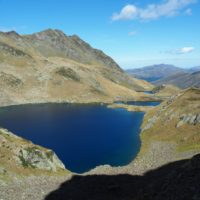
{"points": [[83, 136], [141, 103], [148, 92], [151, 79]]}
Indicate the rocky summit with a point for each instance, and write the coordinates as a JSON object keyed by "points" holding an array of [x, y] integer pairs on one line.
{"points": [[50, 66]]}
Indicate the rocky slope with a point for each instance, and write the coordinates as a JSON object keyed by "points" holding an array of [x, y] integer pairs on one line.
{"points": [[20, 157], [170, 132], [177, 120], [165, 91], [176, 180], [182, 80], [51, 67]]}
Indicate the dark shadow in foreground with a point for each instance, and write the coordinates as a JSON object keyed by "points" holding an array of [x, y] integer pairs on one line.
{"points": [[177, 180]]}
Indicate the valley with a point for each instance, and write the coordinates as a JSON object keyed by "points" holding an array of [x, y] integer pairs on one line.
{"points": [[99, 100], [75, 111]]}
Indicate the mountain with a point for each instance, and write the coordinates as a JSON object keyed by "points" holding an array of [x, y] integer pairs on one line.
{"points": [[182, 80], [194, 69], [168, 74], [50, 66], [54, 43], [165, 91], [154, 72]]}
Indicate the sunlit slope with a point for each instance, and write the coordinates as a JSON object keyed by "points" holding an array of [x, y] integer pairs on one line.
{"points": [[52, 67]]}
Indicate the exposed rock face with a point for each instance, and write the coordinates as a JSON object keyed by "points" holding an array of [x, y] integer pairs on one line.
{"points": [[192, 119], [176, 120], [17, 154], [10, 80], [36, 158], [165, 91], [12, 51], [158, 88], [68, 73], [56, 43], [150, 123]]}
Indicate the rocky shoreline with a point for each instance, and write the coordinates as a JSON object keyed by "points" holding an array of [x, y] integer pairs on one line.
{"points": [[38, 187], [34, 187], [158, 154], [131, 108]]}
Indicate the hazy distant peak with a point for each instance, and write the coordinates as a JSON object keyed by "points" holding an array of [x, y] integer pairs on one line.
{"points": [[182, 80], [154, 72], [194, 69]]}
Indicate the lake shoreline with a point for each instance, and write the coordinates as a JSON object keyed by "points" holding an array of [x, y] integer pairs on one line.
{"points": [[129, 108], [158, 154], [146, 97], [113, 124], [38, 187]]}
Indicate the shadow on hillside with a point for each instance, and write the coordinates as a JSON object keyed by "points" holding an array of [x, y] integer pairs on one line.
{"points": [[177, 180]]}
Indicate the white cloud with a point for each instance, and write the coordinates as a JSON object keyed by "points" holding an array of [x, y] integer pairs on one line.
{"points": [[127, 12], [132, 33], [183, 50], [167, 8], [188, 11], [186, 50]]}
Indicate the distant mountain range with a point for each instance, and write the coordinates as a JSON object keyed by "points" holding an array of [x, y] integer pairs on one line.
{"points": [[194, 69], [168, 74], [154, 72], [182, 80]]}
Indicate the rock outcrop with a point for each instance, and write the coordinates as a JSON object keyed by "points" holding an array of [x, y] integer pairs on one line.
{"points": [[150, 123], [176, 120], [19, 155], [192, 119], [36, 158]]}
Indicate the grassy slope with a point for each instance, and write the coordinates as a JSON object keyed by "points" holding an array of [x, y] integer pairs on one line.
{"points": [[186, 137], [39, 80], [166, 91]]}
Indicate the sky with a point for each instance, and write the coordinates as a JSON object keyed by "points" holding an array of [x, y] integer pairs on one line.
{"points": [[135, 33]]}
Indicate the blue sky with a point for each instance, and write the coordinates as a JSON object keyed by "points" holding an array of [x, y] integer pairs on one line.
{"points": [[135, 33]]}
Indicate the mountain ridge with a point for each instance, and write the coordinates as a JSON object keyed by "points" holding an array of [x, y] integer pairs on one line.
{"points": [[59, 39], [182, 80], [154, 72], [46, 66]]}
